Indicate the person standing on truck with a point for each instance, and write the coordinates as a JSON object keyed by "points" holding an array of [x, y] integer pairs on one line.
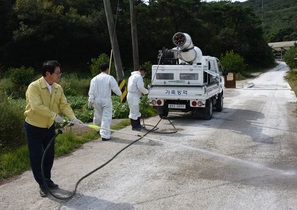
{"points": [[100, 99], [45, 99], [135, 89]]}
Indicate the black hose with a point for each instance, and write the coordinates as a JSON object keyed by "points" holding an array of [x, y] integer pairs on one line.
{"points": [[88, 174], [155, 130]]}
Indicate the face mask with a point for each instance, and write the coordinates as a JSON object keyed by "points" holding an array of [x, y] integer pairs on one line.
{"points": [[143, 75]]}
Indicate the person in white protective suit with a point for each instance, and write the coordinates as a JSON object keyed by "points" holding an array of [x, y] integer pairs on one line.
{"points": [[135, 89], [100, 99]]}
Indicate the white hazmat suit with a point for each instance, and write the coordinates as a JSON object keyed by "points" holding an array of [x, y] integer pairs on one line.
{"points": [[135, 89], [100, 96]]}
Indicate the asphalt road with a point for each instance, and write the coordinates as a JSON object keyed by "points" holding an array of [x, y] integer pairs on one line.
{"points": [[243, 158]]}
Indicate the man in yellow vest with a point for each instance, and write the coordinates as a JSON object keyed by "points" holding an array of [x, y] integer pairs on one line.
{"points": [[45, 100]]}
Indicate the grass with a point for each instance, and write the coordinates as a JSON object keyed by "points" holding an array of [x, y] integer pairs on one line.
{"points": [[122, 124], [292, 80], [291, 77], [13, 163]]}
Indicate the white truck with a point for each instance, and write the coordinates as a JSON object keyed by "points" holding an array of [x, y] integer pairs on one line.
{"points": [[185, 80]]}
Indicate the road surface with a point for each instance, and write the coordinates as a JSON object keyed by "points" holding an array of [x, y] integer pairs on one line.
{"points": [[243, 158]]}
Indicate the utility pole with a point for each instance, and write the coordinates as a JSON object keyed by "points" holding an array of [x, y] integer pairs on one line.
{"points": [[134, 35], [113, 40]]}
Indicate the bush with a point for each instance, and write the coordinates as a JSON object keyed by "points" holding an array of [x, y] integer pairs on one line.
{"points": [[96, 62], [79, 104], [121, 110], [12, 133], [145, 108], [19, 78], [7, 86], [290, 57], [74, 86], [233, 62]]}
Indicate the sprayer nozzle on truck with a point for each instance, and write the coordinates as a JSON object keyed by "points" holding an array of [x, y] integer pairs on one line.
{"points": [[185, 80]]}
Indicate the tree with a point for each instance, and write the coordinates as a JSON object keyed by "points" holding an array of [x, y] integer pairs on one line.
{"points": [[290, 57], [62, 30], [231, 26], [233, 62]]}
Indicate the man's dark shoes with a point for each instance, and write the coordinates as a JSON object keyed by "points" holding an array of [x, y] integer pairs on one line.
{"points": [[51, 184], [105, 139], [43, 191]]}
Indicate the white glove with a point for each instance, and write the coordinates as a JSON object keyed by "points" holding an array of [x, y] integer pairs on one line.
{"points": [[59, 119], [76, 121], [90, 104]]}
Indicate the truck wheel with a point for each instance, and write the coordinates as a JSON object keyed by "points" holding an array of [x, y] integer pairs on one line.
{"points": [[163, 112], [219, 104], [208, 109]]}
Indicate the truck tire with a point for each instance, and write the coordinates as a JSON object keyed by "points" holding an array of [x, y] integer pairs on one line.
{"points": [[219, 104], [163, 112], [208, 109]]}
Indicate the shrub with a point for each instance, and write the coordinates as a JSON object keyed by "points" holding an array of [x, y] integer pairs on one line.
{"points": [[145, 108], [74, 86], [96, 62], [290, 57], [7, 86], [20, 78], [79, 104], [233, 62], [120, 110], [12, 133]]}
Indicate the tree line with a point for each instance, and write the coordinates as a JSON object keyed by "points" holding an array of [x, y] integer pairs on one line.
{"points": [[278, 18], [74, 32]]}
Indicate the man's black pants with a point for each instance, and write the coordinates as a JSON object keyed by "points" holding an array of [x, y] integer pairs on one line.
{"points": [[38, 139]]}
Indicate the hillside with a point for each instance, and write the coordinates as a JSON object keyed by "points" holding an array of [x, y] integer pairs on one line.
{"points": [[279, 18]]}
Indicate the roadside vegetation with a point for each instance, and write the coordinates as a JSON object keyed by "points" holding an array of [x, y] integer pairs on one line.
{"points": [[291, 60]]}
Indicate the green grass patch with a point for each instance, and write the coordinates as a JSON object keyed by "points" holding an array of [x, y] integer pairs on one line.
{"points": [[14, 163], [122, 124], [292, 80], [68, 141]]}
